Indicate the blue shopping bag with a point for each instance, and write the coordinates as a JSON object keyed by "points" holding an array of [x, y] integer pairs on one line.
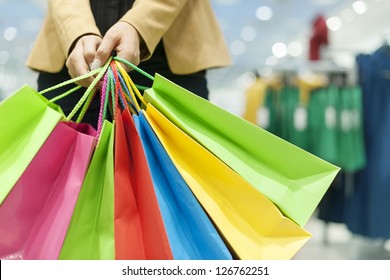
{"points": [[190, 232]]}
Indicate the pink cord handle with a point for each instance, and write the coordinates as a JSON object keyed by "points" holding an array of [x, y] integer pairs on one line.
{"points": [[103, 96]]}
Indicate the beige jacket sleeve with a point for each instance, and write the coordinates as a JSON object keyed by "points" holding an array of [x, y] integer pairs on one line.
{"points": [[71, 19], [152, 19]]}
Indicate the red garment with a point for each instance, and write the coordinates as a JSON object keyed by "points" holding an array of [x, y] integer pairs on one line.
{"points": [[318, 38]]}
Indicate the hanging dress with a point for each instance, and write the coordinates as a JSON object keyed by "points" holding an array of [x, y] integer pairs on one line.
{"points": [[368, 204]]}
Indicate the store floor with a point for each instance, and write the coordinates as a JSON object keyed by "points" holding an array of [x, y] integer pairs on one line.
{"points": [[335, 242]]}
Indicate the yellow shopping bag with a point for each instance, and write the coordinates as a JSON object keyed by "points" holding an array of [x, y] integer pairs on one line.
{"points": [[249, 222]]}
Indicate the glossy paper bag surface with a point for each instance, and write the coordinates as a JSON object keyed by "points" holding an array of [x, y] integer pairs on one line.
{"points": [[139, 228], [251, 224], [290, 177], [90, 234], [34, 217], [191, 234], [26, 120]]}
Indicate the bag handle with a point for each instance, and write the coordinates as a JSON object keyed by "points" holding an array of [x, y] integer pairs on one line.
{"points": [[88, 94], [131, 65], [136, 87], [89, 90], [102, 111], [122, 92], [107, 91], [86, 105], [133, 92], [68, 82], [111, 88], [118, 86], [133, 89]]}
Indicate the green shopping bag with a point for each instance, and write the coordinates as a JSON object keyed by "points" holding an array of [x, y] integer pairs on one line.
{"points": [[290, 177], [90, 234], [26, 121], [91, 231]]}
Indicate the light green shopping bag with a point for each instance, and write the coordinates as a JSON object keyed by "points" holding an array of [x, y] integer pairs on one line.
{"points": [[90, 234], [290, 177], [26, 121]]}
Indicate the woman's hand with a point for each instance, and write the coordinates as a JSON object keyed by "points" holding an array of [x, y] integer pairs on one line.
{"points": [[81, 58], [91, 52], [122, 38]]}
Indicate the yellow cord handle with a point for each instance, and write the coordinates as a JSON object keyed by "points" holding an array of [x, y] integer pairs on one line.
{"points": [[132, 88]]}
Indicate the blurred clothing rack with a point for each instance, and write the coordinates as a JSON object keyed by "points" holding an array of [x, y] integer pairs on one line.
{"points": [[336, 73]]}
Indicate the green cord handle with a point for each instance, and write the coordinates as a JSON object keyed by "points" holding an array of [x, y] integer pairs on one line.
{"points": [[88, 93], [107, 97], [65, 94], [85, 106], [89, 89], [131, 65], [142, 87], [71, 81]]}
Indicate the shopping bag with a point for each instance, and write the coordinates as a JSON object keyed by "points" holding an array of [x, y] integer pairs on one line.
{"points": [[35, 215], [290, 177], [138, 225], [90, 234], [139, 228], [250, 223], [190, 232], [26, 120]]}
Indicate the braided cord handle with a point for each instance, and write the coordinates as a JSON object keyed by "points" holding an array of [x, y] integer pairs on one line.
{"points": [[68, 82], [131, 65], [89, 90]]}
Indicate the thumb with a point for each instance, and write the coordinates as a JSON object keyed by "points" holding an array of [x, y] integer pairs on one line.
{"points": [[103, 53], [95, 64]]}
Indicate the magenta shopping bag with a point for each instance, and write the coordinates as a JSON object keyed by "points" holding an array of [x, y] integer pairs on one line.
{"points": [[35, 216]]}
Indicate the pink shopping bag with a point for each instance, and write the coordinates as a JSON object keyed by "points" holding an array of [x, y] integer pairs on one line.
{"points": [[35, 216]]}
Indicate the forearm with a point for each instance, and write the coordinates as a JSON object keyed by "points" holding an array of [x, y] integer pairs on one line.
{"points": [[72, 19], [152, 19]]}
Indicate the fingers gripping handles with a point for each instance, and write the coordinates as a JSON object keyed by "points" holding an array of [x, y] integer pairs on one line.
{"points": [[117, 86]]}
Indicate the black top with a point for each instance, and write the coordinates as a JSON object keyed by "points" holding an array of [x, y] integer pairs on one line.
{"points": [[108, 12]]}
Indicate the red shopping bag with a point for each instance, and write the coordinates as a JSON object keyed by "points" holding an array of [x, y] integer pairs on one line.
{"points": [[139, 228], [34, 217]]}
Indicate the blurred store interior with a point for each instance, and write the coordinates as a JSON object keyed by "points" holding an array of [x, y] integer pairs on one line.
{"points": [[273, 39]]}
